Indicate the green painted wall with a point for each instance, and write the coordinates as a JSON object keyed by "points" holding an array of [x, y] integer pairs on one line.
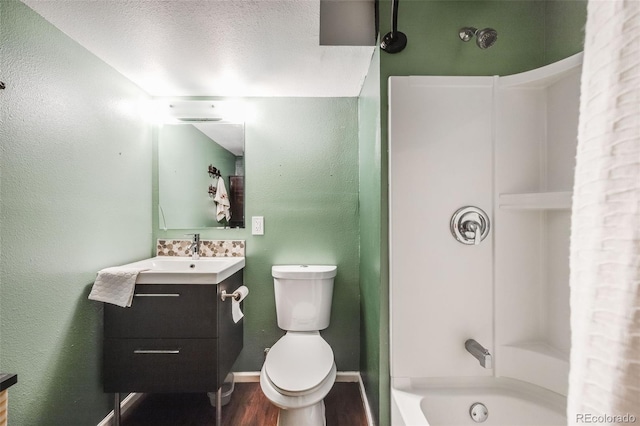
{"points": [[301, 167], [434, 48], [75, 197], [373, 359], [565, 21]]}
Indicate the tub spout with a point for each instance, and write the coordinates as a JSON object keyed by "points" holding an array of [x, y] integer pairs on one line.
{"points": [[479, 352]]}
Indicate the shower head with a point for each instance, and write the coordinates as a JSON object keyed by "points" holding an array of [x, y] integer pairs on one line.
{"points": [[485, 38]]}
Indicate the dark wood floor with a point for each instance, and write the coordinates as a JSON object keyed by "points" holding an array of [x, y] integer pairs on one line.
{"points": [[248, 407]]}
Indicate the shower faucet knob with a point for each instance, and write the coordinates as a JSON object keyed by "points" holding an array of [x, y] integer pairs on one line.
{"points": [[470, 225], [473, 230]]}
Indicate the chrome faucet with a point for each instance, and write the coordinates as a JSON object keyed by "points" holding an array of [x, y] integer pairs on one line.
{"points": [[194, 248], [479, 352]]}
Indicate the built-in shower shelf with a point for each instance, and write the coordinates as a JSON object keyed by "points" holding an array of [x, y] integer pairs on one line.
{"points": [[541, 348], [535, 362], [536, 201]]}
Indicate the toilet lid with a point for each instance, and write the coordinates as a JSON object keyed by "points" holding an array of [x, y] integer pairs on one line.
{"points": [[299, 362]]}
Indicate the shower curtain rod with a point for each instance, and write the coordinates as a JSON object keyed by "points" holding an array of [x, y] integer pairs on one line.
{"points": [[394, 41]]}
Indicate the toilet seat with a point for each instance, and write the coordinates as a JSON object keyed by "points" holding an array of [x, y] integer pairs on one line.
{"points": [[285, 393], [299, 363], [299, 401]]}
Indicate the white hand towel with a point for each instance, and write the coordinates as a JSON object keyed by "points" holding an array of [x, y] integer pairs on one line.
{"points": [[115, 285], [222, 202]]}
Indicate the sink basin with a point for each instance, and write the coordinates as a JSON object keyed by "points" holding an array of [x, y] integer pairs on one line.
{"points": [[184, 270]]}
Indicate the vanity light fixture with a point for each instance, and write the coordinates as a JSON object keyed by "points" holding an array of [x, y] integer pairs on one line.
{"points": [[198, 120], [193, 112], [173, 111]]}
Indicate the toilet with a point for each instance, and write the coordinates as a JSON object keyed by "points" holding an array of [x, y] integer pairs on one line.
{"points": [[299, 370]]}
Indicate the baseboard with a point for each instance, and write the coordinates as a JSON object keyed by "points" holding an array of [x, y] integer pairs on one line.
{"points": [[126, 405], [246, 376], [365, 401]]}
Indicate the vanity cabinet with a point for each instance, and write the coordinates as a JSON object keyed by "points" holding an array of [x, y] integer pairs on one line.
{"points": [[173, 338]]}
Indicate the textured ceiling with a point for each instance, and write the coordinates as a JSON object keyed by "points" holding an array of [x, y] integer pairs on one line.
{"points": [[213, 48]]}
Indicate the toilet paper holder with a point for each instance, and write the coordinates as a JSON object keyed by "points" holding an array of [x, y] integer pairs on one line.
{"points": [[236, 298], [224, 295]]}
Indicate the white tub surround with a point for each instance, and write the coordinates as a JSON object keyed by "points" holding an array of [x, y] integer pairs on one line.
{"points": [[505, 145], [440, 160], [535, 144]]}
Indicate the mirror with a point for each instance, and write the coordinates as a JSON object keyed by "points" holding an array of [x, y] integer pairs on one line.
{"points": [[185, 153]]}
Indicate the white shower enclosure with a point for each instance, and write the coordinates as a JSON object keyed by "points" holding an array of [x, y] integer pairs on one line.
{"points": [[506, 145]]}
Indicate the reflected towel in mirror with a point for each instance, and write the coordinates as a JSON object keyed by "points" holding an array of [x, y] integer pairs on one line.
{"points": [[222, 202]]}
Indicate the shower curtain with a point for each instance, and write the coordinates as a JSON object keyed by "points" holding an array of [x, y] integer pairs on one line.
{"points": [[604, 379]]}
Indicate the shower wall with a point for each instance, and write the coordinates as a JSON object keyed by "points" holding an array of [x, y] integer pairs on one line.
{"points": [[506, 145], [536, 139], [440, 160]]}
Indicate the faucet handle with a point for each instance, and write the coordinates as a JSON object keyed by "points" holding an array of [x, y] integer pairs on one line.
{"points": [[469, 225], [475, 229], [195, 246]]}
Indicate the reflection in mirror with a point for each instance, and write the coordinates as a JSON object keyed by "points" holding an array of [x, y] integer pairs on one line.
{"points": [[185, 152]]}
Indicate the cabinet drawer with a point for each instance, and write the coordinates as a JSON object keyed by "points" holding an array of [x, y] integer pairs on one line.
{"points": [[160, 365], [165, 311]]}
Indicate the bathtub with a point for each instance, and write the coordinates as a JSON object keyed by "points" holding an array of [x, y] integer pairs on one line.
{"points": [[447, 402]]}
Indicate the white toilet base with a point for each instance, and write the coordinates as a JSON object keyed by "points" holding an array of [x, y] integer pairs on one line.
{"points": [[313, 415]]}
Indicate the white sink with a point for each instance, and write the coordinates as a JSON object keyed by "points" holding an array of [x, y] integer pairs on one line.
{"points": [[184, 270]]}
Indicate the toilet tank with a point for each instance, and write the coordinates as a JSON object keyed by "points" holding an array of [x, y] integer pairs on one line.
{"points": [[303, 296]]}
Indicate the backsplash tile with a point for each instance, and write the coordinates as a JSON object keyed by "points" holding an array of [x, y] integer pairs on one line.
{"points": [[208, 248]]}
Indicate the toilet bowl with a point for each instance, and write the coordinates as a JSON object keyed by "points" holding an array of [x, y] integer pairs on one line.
{"points": [[299, 370], [297, 375]]}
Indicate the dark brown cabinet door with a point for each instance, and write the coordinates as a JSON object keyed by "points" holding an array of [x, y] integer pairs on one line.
{"points": [[174, 311], [236, 200], [160, 365], [173, 338]]}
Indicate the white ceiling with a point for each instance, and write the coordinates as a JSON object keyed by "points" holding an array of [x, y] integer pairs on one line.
{"points": [[230, 136], [214, 47]]}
